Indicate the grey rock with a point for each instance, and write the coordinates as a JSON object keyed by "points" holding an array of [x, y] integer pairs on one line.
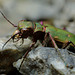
{"points": [[39, 61], [11, 53], [47, 61]]}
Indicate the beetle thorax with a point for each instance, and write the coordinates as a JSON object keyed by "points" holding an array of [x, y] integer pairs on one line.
{"points": [[26, 32]]}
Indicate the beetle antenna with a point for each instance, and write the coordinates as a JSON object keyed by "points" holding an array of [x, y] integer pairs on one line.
{"points": [[8, 20]]}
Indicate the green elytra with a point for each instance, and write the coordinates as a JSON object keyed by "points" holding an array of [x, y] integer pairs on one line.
{"points": [[59, 34]]}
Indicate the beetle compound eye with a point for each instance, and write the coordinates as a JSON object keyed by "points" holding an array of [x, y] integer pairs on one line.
{"points": [[16, 32]]}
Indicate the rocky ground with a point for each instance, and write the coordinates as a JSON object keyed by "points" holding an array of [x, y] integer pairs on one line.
{"points": [[41, 60]]}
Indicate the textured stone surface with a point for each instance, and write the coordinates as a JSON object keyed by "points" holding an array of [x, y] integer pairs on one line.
{"points": [[39, 61], [46, 61]]}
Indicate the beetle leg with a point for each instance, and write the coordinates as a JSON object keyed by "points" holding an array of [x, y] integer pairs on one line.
{"points": [[68, 44], [56, 47], [8, 20], [44, 41], [30, 48], [22, 41], [16, 40]]}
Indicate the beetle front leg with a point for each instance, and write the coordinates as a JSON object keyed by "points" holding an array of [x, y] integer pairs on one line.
{"points": [[22, 41], [30, 48]]}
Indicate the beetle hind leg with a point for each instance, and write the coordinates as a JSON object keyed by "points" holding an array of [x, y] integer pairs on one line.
{"points": [[68, 44]]}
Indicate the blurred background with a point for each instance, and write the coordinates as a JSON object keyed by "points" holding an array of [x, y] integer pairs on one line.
{"points": [[61, 13]]}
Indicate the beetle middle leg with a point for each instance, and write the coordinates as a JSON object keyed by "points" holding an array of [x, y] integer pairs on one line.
{"points": [[56, 47], [44, 41]]}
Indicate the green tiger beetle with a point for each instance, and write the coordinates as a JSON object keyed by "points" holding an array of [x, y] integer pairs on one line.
{"points": [[40, 31]]}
